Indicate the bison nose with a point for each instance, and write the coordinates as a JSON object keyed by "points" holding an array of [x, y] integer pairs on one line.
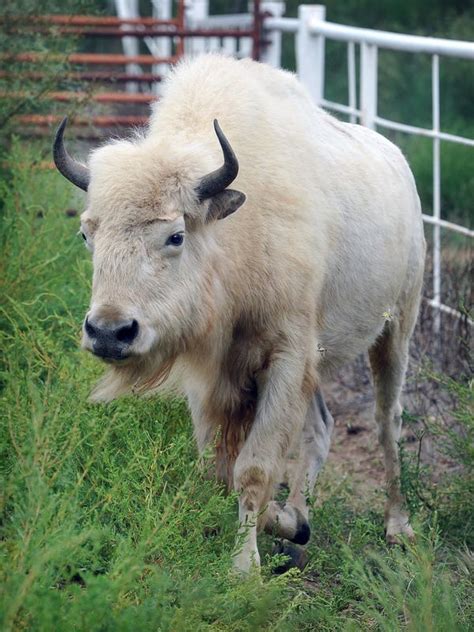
{"points": [[111, 340]]}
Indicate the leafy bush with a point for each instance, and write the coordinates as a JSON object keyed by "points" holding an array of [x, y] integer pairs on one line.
{"points": [[25, 86]]}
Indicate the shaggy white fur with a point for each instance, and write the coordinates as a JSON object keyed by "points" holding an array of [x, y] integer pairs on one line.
{"points": [[253, 311]]}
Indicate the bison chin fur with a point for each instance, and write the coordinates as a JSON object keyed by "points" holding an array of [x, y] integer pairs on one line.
{"points": [[144, 377]]}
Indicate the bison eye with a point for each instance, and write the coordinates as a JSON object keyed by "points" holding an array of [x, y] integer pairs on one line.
{"points": [[175, 240]]}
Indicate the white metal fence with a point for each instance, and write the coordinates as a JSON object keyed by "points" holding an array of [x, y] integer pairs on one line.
{"points": [[312, 30]]}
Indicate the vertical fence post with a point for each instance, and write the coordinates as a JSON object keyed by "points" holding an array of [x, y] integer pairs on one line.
{"points": [[310, 50], [257, 30], [368, 84], [436, 195], [196, 12], [229, 45], [160, 46], [129, 9], [351, 80], [246, 43], [271, 50]]}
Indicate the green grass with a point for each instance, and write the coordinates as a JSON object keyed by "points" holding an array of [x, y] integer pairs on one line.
{"points": [[108, 520]]}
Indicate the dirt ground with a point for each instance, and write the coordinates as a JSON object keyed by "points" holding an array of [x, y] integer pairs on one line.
{"points": [[355, 451]]}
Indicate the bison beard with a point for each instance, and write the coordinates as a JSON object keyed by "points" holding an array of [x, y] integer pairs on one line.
{"points": [[136, 379]]}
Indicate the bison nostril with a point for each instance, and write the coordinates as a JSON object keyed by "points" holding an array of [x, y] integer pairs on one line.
{"points": [[90, 329], [127, 333]]}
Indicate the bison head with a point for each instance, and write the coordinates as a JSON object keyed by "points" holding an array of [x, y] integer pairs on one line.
{"points": [[150, 226]]}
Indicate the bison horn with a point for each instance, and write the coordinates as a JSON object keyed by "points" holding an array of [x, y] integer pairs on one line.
{"points": [[70, 168], [218, 180]]}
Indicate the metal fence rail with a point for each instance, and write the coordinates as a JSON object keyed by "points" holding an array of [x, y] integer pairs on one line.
{"points": [[311, 30], [136, 76]]}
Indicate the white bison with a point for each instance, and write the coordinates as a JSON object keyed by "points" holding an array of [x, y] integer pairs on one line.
{"points": [[249, 297]]}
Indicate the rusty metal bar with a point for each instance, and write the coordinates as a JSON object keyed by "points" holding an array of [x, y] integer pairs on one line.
{"points": [[181, 24], [104, 97], [98, 121], [107, 32], [80, 133], [89, 20], [97, 76], [89, 132], [93, 58]]}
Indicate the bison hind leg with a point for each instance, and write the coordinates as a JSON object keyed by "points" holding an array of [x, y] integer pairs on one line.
{"points": [[388, 360]]}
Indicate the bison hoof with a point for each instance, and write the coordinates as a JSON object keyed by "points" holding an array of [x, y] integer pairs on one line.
{"points": [[297, 556], [303, 532], [399, 531]]}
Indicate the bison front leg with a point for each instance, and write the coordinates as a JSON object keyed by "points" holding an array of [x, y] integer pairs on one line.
{"points": [[290, 521], [281, 411]]}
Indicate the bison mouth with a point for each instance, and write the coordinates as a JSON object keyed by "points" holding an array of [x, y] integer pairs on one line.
{"points": [[113, 358], [118, 357]]}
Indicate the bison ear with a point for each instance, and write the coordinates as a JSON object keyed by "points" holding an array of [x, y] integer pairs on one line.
{"points": [[223, 204]]}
